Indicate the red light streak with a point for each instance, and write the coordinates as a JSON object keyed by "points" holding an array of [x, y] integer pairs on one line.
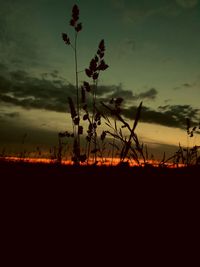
{"points": [[106, 162]]}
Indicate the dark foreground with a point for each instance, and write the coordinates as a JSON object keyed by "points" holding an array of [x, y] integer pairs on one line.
{"points": [[51, 181], [87, 196], [10, 169], [58, 185]]}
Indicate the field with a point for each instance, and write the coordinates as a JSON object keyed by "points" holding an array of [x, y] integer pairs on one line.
{"points": [[96, 197], [9, 169]]}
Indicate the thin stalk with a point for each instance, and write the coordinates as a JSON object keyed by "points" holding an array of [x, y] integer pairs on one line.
{"points": [[94, 110], [92, 120], [113, 151], [89, 144], [95, 132], [88, 153], [77, 89]]}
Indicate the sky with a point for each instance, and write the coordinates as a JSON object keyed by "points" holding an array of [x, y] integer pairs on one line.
{"points": [[152, 49]]}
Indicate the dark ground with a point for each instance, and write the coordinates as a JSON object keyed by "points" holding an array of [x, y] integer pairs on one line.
{"points": [[25, 170], [55, 181], [50, 199]]}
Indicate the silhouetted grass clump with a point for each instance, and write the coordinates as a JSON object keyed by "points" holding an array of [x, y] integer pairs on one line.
{"points": [[97, 65], [130, 147], [122, 137]]}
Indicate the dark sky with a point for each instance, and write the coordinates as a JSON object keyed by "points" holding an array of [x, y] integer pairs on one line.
{"points": [[152, 49]]}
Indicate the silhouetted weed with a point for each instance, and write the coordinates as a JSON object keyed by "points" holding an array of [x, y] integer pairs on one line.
{"points": [[97, 64], [75, 112], [188, 156], [131, 147]]}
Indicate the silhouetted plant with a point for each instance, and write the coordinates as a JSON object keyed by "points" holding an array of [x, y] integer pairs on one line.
{"points": [[75, 112], [131, 147], [61, 144], [102, 146], [190, 155], [97, 64]]}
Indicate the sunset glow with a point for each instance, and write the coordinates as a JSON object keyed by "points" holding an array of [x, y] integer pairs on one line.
{"points": [[106, 162]]}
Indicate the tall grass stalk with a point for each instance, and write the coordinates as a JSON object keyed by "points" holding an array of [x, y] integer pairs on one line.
{"points": [[77, 26]]}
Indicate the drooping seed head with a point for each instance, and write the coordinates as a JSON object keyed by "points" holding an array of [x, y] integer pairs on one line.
{"points": [[66, 38]]}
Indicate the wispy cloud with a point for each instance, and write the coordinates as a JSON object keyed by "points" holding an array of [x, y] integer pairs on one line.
{"points": [[149, 94], [128, 95], [186, 85], [187, 3], [127, 45], [132, 12], [17, 43], [169, 115]]}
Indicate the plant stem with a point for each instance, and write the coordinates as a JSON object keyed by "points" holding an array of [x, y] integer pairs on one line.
{"points": [[77, 89], [93, 116], [113, 151]]}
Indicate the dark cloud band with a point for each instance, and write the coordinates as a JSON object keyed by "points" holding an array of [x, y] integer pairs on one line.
{"points": [[20, 89]]}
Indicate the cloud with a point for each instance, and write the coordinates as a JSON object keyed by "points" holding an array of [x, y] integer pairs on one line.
{"points": [[134, 11], [187, 3], [128, 95], [17, 42], [119, 92], [188, 85], [51, 93], [18, 88], [106, 89], [150, 94], [125, 47], [185, 85], [169, 115]]}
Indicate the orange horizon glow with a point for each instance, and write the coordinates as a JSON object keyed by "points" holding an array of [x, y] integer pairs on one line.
{"points": [[106, 162]]}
